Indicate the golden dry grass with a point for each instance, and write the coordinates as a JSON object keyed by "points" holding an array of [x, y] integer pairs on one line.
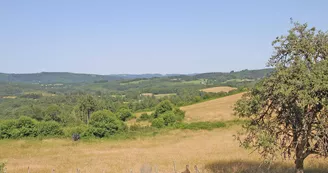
{"points": [[220, 109], [215, 150], [147, 94], [9, 97], [183, 147], [218, 89], [164, 95]]}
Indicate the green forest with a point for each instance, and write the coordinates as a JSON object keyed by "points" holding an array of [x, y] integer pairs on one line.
{"points": [[101, 107]]}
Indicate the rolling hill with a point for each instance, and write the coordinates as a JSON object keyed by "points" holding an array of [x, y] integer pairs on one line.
{"points": [[66, 77]]}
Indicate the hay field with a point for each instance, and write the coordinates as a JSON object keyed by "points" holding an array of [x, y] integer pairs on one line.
{"points": [[218, 89], [220, 109], [212, 151], [147, 94], [165, 95]]}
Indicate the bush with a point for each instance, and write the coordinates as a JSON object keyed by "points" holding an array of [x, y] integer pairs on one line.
{"points": [[163, 107], [145, 117], [96, 132], [180, 114], [50, 128], [169, 118], [104, 123], [102, 115], [69, 131], [26, 127], [23, 127], [52, 113], [6, 129], [124, 114], [158, 123], [166, 114]]}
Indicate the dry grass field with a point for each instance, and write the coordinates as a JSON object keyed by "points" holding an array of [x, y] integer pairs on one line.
{"points": [[213, 151], [220, 109], [165, 95], [147, 94], [218, 89]]}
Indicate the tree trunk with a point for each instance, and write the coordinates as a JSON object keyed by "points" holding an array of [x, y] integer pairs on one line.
{"points": [[299, 163]]}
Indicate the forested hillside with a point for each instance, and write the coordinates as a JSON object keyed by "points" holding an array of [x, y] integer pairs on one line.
{"points": [[64, 77]]}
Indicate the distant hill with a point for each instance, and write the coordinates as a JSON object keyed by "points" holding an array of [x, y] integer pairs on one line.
{"points": [[65, 77], [243, 74], [225, 76]]}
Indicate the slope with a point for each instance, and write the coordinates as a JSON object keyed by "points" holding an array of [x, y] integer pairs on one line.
{"points": [[220, 109]]}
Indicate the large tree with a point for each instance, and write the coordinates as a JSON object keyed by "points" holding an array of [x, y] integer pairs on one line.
{"points": [[87, 104], [288, 110]]}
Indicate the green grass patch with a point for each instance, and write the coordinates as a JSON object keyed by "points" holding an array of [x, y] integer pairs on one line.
{"points": [[199, 81], [238, 80], [200, 125], [133, 82], [164, 95]]}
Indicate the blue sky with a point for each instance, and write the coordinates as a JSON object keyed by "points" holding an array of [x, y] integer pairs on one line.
{"points": [[146, 36]]}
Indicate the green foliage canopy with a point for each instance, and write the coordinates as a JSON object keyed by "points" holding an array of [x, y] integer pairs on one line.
{"points": [[289, 109]]}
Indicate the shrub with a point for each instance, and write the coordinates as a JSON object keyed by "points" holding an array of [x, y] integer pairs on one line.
{"points": [[104, 123], [102, 115], [6, 129], [144, 117], [180, 114], [124, 114], [96, 132], [69, 131], [163, 107], [158, 123], [23, 127], [49, 128], [169, 118], [52, 113], [26, 127]]}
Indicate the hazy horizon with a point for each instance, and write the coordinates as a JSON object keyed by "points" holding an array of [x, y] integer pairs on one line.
{"points": [[140, 37], [136, 73]]}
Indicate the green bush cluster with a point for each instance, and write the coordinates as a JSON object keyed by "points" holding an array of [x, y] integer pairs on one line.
{"points": [[103, 124], [124, 114], [145, 117], [28, 127], [166, 114]]}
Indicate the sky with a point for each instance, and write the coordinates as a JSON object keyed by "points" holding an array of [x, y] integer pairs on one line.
{"points": [[146, 36]]}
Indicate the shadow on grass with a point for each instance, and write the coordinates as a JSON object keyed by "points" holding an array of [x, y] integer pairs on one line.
{"points": [[256, 167]]}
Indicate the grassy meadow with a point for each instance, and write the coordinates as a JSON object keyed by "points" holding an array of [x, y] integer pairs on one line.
{"points": [[211, 150], [218, 89]]}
